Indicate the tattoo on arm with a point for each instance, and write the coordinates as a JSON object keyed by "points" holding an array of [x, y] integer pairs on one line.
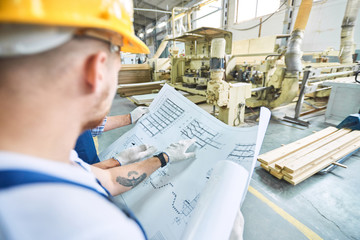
{"points": [[132, 181]]}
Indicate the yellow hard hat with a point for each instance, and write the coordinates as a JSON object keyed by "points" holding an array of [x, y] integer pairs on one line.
{"points": [[113, 17]]}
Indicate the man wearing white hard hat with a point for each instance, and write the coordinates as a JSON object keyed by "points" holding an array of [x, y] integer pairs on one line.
{"points": [[58, 74]]}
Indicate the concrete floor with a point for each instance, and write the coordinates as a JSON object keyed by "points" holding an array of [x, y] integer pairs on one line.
{"points": [[322, 207]]}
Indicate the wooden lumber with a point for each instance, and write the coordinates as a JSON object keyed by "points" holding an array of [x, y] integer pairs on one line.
{"points": [[323, 164], [286, 178], [285, 150], [128, 93], [310, 154], [134, 73], [266, 167], [126, 90], [339, 153], [134, 67], [276, 174], [274, 168], [138, 92], [324, 151], [144, 99], [312, 147], [139, 85]]}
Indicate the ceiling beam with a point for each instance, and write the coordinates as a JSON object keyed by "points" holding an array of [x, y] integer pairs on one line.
{"points": [[150, 5], [139, 25], [142, 18]]}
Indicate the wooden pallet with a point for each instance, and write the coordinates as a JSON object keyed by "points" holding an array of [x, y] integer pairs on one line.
{"points": [[301, 159]]}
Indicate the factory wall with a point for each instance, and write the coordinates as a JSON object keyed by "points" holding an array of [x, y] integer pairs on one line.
{"points": [[324, 26], [322, 31]]}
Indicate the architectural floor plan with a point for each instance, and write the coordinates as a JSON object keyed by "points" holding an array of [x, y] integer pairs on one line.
{"points": [[165, 201]]}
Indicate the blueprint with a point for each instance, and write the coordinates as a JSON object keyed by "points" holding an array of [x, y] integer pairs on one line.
{"points": [[165, 201], [219, 203]]}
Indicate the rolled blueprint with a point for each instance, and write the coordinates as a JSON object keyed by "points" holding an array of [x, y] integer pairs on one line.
{"points": [[215, 212]]}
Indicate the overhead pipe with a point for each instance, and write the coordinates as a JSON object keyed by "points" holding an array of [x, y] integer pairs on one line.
{"points": [[186, 11], [347, 31], [290, 85], [152, 10], [189, 21], [173, 25], [293, 53]]}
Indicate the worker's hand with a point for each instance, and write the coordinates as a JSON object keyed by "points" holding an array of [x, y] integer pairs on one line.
{"points": [[180, 150], [137, 113], [134, 154]]}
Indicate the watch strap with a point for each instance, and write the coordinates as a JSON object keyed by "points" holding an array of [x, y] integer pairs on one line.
{"points": [[161, 157]]}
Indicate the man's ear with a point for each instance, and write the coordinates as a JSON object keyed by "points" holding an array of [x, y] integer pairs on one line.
{"points": [[95, 70]]}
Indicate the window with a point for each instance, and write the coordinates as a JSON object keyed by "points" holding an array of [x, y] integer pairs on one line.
{"points": [[250, 9], [209, 16]]}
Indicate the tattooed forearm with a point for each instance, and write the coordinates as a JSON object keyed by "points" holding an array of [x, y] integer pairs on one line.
{"points": [[131, 182]]}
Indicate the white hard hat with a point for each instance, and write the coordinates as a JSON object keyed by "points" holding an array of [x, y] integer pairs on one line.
{"points": [[23, 39]]}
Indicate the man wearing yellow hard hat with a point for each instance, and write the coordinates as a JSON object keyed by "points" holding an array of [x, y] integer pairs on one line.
{"points": [[58, 72]]}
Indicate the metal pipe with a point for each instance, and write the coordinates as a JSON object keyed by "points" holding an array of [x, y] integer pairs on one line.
{"points": [[300, 101], [330, 75], [151, 10], [173, 25], [336, 66], [259, 35], [272, 55], [253, 54], [206, 15], [303, 15], [189, 21], [259, 89], [293, 53], [347, 31], [289, 90]]}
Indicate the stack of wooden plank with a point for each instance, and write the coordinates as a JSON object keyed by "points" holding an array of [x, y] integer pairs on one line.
{"points": [[134, 73], [126, 90], [301, 159]]}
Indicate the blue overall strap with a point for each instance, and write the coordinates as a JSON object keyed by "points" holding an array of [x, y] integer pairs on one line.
{"points": [[85, 148], [15, 178]]}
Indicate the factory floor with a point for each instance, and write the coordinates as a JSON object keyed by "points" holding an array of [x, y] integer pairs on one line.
{"points": [[322, 207]]}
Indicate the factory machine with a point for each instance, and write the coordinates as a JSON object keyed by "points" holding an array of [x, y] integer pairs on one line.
{"points": [[207, 69], [201, 70], [190, 70], [231, 86], [276, 79], [271, 82]]}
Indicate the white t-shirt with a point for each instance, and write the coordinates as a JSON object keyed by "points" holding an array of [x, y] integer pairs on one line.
{"points": [[59, 210]]}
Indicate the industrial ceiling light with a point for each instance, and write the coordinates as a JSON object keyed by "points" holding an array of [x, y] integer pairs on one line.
{"points": [[148, 31], [162, 24]]}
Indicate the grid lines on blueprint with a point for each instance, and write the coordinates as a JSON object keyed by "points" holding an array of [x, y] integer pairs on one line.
{"points": [[203, 135], [162, 118], [242, 152]]}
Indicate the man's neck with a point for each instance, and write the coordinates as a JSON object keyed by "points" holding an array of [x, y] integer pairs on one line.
{"points": [[45, 134]]}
